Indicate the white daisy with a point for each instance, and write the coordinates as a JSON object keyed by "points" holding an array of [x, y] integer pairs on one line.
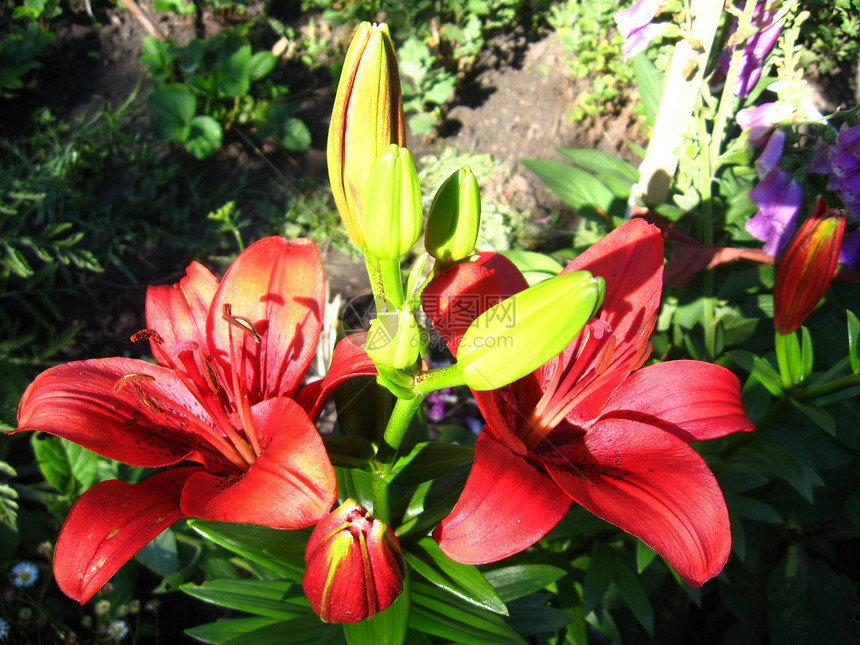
{"points": [[24, 574]]}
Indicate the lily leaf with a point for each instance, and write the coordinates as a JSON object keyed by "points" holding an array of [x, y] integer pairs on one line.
{"points": [[522, 579], [428, 460], [273, 598]]}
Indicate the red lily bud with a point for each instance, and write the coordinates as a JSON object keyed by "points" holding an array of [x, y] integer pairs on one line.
{"points": [[354, 566], [807, 267], [367, 117]]}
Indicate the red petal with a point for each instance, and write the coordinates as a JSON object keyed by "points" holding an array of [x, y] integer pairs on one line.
{"points": [[630, 259], [77, 401], [109, 524], [693, 400], [651, 484], [278, 286], [339, 592], [178, 312], [506, 506], [349, 360], [460, 294], [290, 486]]}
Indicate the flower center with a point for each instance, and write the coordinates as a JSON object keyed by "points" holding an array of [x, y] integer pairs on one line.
{"points": [[226, 423], [583, 377]]}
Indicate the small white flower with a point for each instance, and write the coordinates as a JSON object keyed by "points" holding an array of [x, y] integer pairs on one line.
{"points": [[4, 629], [24, 574], [117, 630]]}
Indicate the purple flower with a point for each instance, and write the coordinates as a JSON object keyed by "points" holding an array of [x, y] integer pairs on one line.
{"points": [[772, 153], [436, 404], [756, 48], [849, 254], [756, 122], [636, 26], [778, 198], [841, 163]]}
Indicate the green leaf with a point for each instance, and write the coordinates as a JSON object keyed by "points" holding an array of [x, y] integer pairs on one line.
{"points": [[430, 502], [649, 80], [69, 468], [598, 576], [644, 556], [428, 460], [232, 71], [386, 628], [223, 630], [259, 544], [817, 415], [781, 463], [522, 579], [760, 369], [204, 137], [634, 595], [853, 335], [160, 554], [528, 619], [273, 598], [295, 135], [174, 106], [305, 630], [260, 64], [752, 509], [589, 196], [536, 267], [463, 580], [439, 613], [617, 174], [348, 451]]}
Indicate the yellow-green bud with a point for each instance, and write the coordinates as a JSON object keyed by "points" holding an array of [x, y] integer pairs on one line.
{"points": [[521, 333], [367, 117], [392, 215], [454, 218], [395, 339]]}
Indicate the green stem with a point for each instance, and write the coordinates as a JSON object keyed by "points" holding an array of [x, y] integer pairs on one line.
{"points": [[381, 507], [727, 99], [844, 383], [374, 273], [780, 344], [392, 283], [395, 431]]}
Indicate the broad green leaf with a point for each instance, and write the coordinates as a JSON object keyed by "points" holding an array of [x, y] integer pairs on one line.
{"points": [[752, 509], [204, 138], [69, 468], [634, 595], [295, 135], [273, 598], [618, 175], [160, 554], [463, 580], [223, 630], [853, 336], [530, 620], [760, 369], [439, 613], [386, 628], [522, 579], [232, 71], [589, 196], [428, 460], [348, 451], [598, 577], [257, 543], [536, 267], [174, 106], [260, 64], [819, 416], [430, 502], [778, 461], [644, 556], [649, 81], [305, 630]]}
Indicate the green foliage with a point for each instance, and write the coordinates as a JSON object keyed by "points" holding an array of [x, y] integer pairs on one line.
{"points": [[19, 53], [591, 37], [206, 87], [832, 34]]}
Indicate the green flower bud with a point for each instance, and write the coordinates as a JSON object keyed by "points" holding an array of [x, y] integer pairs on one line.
{"points": [[367, 117], [395, 339], [454, 218], [521, 333], [392, 208]]}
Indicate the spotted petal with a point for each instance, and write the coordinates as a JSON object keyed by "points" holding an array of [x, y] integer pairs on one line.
{"points": [[109, 524], [80, 402], [290, 486], [651, 484]]}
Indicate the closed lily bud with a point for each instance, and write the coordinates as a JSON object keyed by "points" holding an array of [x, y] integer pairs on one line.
{"points": [[806, 269], [395, 339], [367, 117], [521, 333], [392, 216], [354, 566], [454, 218]]}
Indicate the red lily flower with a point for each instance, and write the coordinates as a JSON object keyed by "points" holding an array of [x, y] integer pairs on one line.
{"points": [[592, 426], [231, 356]]}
